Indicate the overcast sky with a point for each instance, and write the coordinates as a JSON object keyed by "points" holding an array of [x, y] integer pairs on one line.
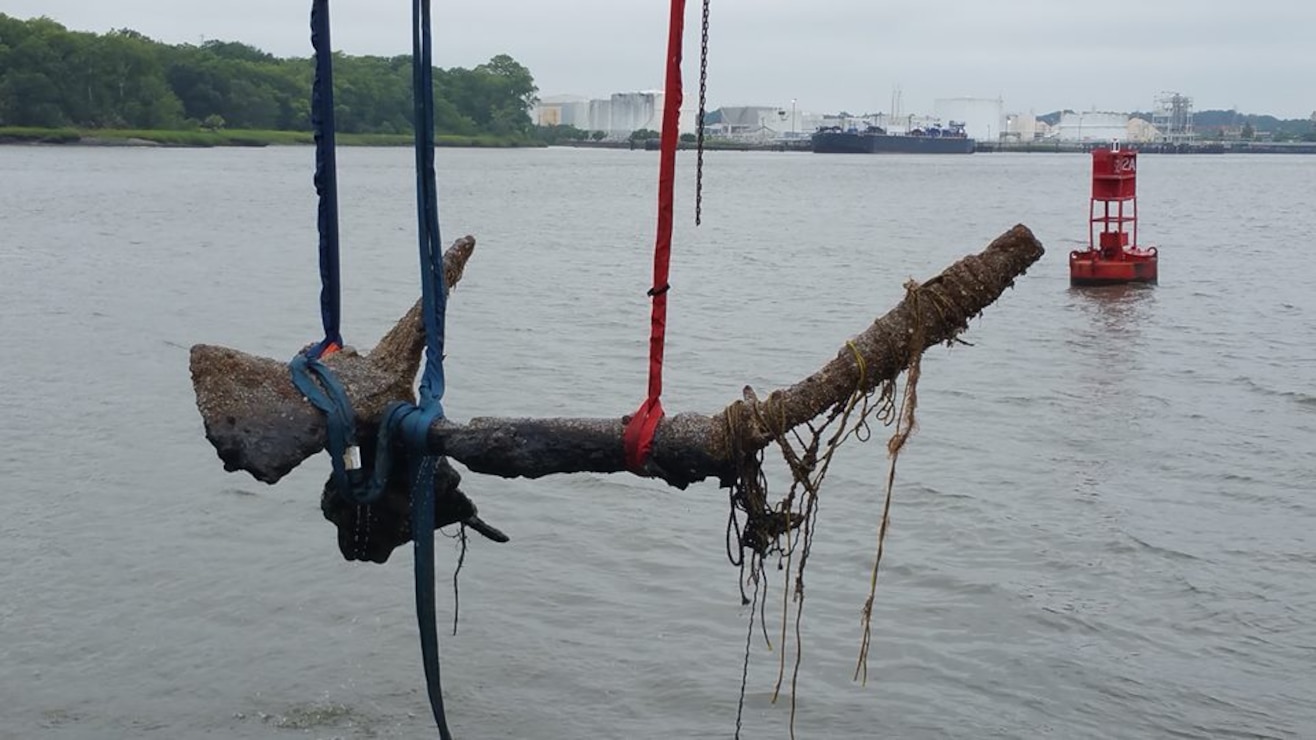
{"points": [[828, 54]]}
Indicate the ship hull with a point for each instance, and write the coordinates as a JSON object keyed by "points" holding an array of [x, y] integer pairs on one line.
{"points": [[862, 143]]}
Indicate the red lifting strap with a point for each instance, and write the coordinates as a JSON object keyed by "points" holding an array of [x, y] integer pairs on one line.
{"points": [[638, 437]]}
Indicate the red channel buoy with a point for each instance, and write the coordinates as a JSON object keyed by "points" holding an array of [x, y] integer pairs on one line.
{"points": [[1113, 255]]}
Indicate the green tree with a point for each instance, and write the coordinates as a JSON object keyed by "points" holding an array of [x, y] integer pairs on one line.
{"points": [[236, 51], [514, 79], [54, 77], [29, 85], [496, 96], [50, 76]]}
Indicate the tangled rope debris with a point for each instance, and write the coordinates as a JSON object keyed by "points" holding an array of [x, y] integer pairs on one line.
{"points": [[784, 530]]}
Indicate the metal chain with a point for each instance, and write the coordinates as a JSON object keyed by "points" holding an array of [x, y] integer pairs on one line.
{"points": [[703, 99]]}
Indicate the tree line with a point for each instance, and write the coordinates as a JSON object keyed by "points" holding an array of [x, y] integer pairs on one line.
{"points": [[52, 77]]}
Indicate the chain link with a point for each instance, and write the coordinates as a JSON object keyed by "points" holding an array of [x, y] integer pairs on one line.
{"points": [[703, 101]]}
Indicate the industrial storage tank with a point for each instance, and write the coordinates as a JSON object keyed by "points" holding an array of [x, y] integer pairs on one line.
{"points": [[983, 118], [1098, 126], [562, 110], [633, 111]]}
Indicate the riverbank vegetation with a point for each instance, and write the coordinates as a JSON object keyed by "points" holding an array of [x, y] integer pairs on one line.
{"points": [[58, 85], [235, 137]]}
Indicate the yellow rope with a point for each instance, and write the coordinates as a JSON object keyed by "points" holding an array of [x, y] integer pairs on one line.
{"points": [[904, 427]]}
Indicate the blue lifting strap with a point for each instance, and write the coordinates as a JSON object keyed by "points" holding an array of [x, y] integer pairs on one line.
{"points": [[311, 376], [317, 382], [434, 295], [326, 174]]}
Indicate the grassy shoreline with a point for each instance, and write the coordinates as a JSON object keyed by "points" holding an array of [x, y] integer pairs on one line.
{"points": [[206, 139]]}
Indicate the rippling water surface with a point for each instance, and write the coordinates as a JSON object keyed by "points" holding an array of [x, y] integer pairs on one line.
{"points": [[1103, 527]]}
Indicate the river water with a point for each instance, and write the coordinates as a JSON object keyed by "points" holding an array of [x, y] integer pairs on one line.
{"points": [[1104, 527]]}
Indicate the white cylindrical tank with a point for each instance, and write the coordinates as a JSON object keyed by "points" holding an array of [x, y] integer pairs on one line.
{"points": [[1093, 126]]}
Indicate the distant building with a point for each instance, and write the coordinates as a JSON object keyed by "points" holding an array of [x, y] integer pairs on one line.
{"points": [[633, 111], [1142, 131], [600, 116], [621, 114], [1022, 127], [1173, 117], [618, 115], [1026, 127], [562, 110], [1092, 126], [764, 123], [744, 123], [983, 118]]}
